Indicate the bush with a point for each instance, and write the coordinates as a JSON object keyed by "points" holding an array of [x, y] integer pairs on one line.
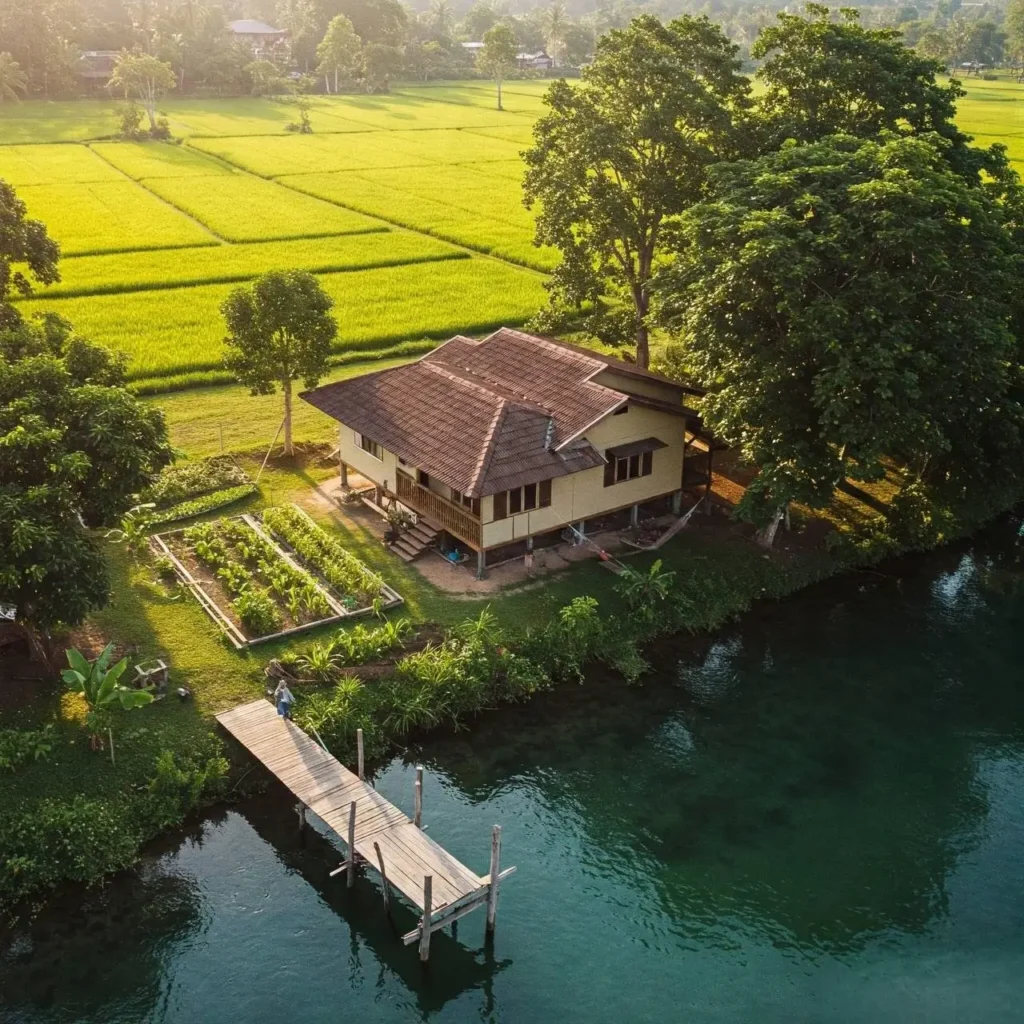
{"points": [[205, 503], [186, 480], [181, 783], [20, 745]]}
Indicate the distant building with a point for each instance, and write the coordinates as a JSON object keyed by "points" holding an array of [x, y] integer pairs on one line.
{"points": [[260, 37], [96, 66], [539, 61], [472, 47]]}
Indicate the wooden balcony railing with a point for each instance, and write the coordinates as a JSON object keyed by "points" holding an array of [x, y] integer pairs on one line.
{"points": [[445, 513]]}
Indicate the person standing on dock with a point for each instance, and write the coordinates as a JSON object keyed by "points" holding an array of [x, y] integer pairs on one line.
{"points": [[284, 698]]}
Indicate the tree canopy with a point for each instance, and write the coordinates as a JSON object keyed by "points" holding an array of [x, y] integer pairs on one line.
{"points": [[75, 447], [618, 154], [849, 301], [143, 77], [338, 52], [497, 59], [279, 330], [27, 254]]}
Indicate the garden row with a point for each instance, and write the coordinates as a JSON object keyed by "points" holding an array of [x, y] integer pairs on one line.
{"points": [[263, 577]]}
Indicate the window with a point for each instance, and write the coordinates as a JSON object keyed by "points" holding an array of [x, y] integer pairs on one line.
{"points": [[522, 499], [627, 467], [423, 478], [370, 447]]}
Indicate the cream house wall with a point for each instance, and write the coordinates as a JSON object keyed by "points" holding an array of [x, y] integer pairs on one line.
{"points": [[380, 471], [583, 495]]}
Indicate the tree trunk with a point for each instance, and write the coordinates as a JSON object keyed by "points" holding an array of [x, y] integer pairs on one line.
{"points": [[641, 303], [500, 107], [289, 450], [151, 111], [335, 81], [327, 83], [767, 536]]}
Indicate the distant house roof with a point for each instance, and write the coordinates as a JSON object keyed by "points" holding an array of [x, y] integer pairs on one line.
{"points": [[484, 417], [472, 46], [98, 64], [251, 27]]}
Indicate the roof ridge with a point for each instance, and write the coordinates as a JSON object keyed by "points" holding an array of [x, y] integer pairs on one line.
{"points": [[484, 462], [471, 378]]}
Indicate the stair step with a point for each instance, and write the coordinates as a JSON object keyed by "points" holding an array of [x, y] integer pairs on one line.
{"points": [[422, 533]]}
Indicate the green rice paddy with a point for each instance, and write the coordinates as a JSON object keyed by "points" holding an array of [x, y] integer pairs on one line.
{"points": [[407, 205]]}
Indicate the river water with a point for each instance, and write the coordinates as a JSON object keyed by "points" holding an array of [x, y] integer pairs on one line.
{"points": [[817, 815]]}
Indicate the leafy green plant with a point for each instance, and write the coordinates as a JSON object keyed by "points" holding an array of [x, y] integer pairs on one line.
{"points": [[257, 611], [100, 684], [179, 784], [205, 503], [321, 662], [642, 591], [20, 745], [192, 479], [133, 532]]}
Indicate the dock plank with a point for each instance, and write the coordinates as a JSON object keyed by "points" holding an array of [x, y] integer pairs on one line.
{"points": [[328, 788]]}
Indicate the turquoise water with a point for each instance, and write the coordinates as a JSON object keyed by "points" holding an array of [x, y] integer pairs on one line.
{"points": [[815, 816]]}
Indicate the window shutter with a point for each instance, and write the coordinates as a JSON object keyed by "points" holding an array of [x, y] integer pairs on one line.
{"points": [[501, 505], [609, 470], [476, 507], [515, 500], [545, 494], [647, 466]]}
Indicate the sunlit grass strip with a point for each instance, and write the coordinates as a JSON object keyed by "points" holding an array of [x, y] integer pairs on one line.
{"points": [[181, 330], [225, 264], [509, 237], [52, 164], [244, 208], [115, 216], [359, 357], [155, 160]]}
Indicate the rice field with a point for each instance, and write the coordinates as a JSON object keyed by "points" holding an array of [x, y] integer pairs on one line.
{"points": [[222, 264], [408, 206], [244, 208], [172, 330], [110, 216]]}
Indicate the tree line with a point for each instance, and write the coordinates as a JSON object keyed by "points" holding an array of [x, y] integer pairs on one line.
{"points": [[828, 254]]}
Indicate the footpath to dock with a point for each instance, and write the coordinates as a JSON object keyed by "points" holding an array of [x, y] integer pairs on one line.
{"points": [[374, 831]]}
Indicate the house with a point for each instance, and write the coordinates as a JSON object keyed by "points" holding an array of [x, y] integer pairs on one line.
{"points": [[538, 61], [96, 66], [474, 48], [506, 441], [261, 38]]}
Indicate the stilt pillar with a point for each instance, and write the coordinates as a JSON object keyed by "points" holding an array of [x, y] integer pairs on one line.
{"points": [[634, 516], [677, 502], [481, 565], [417, 814], [492, 890], [428, 886], [350, 861]]}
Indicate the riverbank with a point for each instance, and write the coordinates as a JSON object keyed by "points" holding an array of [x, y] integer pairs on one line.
{"points": [[814, 814], [71, 815]]}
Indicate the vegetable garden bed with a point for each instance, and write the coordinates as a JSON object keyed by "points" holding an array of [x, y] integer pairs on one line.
{"points": [[264, 577]]}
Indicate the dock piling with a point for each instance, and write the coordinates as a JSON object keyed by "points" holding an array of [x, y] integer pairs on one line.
{"points": [[428, 886], [384, 879], [350, 880], [417, 814], [492, 889], [359, 750]]}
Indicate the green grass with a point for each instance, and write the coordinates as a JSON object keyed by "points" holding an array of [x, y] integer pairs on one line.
{"points": [[177, 330], [413, 109], [247, 116], [456, 204], [52, 165], [156, 160], [110, 216], [486, 98], [243, 208], [50, 121], [140, 271], [271, 156]]}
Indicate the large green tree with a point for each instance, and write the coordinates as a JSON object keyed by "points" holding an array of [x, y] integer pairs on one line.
{"points": [[497, 58], [280, 330], [826, 74], [75, 447], [847, 302], [619, 153], [338, 52], [27, 254], [143, 77]]}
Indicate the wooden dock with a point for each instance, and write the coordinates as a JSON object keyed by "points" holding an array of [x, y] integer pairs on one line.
{"points": [[374, 831]]}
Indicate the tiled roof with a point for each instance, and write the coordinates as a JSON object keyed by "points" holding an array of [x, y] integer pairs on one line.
{"points": [[485, 416]]}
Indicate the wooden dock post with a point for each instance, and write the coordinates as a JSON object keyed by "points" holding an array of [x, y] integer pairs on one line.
{"points": [[428, 886], [492, 890], [359, 751], [417, 814], [300, 810], [384, 879], [350, 861]]}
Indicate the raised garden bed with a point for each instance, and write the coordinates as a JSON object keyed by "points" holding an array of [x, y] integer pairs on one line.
{"points": [[264, 577]]}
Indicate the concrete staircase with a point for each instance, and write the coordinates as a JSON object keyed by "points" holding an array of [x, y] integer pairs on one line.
{"points": [[414, 542]]}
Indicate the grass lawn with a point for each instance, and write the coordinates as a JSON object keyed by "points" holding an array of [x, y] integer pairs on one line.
{"points": [[169, 331], [53, 165], [142, 271]]}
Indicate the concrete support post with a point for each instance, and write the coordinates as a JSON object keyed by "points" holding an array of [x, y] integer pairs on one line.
{"points": [[481, 565], [677, 502], [634, 516]]}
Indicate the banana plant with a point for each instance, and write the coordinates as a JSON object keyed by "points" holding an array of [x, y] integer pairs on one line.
{"points": [[100, 684]]}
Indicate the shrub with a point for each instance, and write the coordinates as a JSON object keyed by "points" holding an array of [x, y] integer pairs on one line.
{"points": [[20, 745], [204, 503], [257, 611], [185, 480], [180, 784]]}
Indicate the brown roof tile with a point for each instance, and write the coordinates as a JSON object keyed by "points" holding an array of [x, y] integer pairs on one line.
{"points": [[485, 416]]}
